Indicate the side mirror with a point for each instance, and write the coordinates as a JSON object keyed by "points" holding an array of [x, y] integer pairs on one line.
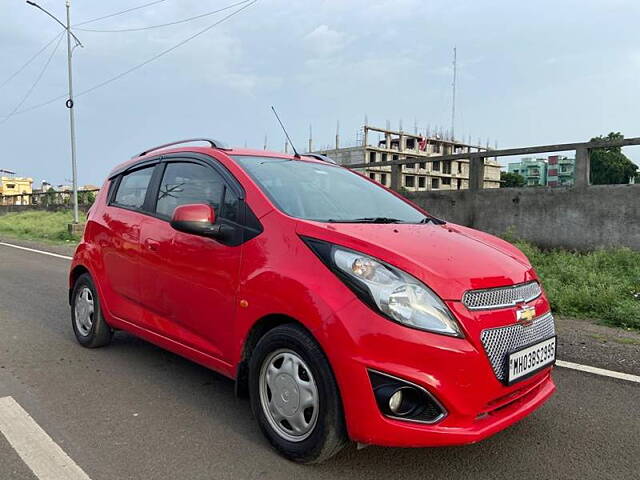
{"points": [[197, 219]]}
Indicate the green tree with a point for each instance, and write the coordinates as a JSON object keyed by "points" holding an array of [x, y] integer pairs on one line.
{"points": [[609, 165], [509, 179], [49, 197], [86, 197]]}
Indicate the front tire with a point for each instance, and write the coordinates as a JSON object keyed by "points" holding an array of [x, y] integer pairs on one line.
{"points": [[89, 325], [294, 396]]}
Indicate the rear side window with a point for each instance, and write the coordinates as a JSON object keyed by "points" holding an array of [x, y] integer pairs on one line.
{"points": [[184, 183], [133, 188]]}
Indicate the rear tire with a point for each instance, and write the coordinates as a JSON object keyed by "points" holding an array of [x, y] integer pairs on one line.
{"points": [[294, 396], [89, 326]]}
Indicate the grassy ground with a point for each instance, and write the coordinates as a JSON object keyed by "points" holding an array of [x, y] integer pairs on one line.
{"points": [[38, 225], [602, 285]]}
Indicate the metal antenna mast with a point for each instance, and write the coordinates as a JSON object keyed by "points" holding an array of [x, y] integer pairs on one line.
{"points": [[453, 99]]}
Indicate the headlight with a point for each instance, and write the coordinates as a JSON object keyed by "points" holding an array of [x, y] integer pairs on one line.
{"points": [[395, 293]]}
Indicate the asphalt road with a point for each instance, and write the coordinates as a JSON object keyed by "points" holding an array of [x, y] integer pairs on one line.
{"points": [[133, 411]]}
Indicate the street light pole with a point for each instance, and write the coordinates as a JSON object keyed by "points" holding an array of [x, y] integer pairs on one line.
{"points": [[74, 167], [69, 102]]}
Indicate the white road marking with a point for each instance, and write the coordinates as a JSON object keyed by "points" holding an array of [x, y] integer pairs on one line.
{"points": [[38, 451], [36, 251], [599, 371]]}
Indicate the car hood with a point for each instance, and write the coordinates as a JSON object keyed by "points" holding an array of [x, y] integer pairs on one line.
{"points": [[449, 258]]}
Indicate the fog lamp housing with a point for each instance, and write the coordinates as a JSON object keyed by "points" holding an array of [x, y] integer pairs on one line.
{"points": [[403, 400]]}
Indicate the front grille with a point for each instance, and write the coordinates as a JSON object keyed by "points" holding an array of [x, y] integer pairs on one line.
{"points": [[498, 342], [501, 297]]}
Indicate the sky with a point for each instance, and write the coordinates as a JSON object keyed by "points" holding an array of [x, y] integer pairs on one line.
{"points": [[529, 73]]}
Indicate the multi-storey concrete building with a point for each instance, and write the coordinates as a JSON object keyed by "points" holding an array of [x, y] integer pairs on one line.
{"points": [[554, 171], [12, 185], [534, 170], [426, 173], [560, 171]]}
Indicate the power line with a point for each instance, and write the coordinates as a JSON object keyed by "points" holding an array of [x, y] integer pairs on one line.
{"points": [[28, 62], [39, 105], [164, 52], [138, 29], [119, 13], [140, 65], [35, 83]]}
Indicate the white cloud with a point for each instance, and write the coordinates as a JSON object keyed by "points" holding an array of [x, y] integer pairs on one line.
{"points": [[323, 41]]}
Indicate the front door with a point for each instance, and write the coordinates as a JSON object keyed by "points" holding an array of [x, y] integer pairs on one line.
{"points": [[188, 282]]}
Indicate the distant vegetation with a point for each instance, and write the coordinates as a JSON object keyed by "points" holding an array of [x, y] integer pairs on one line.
{"points": [[510, 179], [609, 165], [38, 225]]}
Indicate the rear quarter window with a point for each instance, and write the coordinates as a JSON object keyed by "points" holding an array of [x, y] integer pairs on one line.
{"points": [[132, 188]]}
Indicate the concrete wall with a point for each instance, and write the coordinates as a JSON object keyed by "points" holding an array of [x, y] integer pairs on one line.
{"points": [[4, 209], [572, 218]]}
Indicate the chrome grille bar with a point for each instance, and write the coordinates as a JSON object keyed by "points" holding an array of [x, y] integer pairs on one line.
{"points": [[501, 297]]}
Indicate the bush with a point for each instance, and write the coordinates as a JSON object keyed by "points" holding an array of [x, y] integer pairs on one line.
{"points": [[602, 285]]}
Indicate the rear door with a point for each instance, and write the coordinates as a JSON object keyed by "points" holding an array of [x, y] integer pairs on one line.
{"points": [[121, 247], [189, 283]]}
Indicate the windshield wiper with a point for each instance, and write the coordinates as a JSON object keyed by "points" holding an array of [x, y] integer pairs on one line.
{"points": [[437, 221], [368, 220]]}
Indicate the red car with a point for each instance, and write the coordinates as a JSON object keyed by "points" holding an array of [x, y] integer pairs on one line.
{"points": [[344, 311]]}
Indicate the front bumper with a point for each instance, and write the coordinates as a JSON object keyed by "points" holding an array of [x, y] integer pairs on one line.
{"points": [[457, 372]]}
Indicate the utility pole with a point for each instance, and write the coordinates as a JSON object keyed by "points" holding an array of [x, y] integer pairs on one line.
{"points": [[72, 124], [69, 102], [453, 99]]}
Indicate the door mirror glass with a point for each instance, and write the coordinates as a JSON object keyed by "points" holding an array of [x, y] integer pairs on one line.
{"points": [[197, 219]]}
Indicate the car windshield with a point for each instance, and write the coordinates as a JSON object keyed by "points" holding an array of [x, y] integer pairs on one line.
{"points": [[326, 193]]}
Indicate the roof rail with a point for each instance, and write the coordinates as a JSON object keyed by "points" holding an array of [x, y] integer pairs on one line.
{"points": [[318, 156], [214, 144]]}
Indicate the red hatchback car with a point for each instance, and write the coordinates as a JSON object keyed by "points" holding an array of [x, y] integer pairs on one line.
{"points": [[343, 310]]}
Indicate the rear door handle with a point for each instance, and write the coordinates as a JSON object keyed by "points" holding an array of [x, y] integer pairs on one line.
{"points": [[151, 245]]}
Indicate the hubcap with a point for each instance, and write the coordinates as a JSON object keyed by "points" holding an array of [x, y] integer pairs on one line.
{"points": [[84, 311], [288, 395]]}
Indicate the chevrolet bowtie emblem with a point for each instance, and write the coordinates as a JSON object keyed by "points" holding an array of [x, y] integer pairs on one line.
{"points": [[525, 315]]}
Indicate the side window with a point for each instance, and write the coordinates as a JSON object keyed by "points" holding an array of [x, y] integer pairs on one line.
{"points": [[185, 183], [133, 188]]}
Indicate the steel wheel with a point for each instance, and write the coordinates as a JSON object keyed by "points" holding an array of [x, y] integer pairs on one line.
{"points": [[84, 310], [288, 395]]}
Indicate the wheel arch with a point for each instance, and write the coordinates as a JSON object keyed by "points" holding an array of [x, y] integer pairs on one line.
{"points": [[75, 273], [257, 331]]}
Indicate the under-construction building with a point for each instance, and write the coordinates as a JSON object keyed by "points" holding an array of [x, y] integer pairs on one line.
{"points": [[426, 173]]}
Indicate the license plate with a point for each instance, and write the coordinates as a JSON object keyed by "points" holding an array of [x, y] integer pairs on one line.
{"points": [[529, 360]]}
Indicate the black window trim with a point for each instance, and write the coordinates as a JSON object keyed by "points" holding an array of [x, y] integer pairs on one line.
{"points": [[206, 159], [151, 202], [159, 162], [111, 201], [147, 162], [249, 226]]}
